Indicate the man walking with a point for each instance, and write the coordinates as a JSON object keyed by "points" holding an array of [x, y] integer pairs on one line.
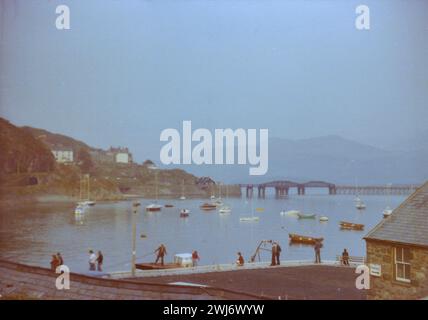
{"points": [[317, 249]]}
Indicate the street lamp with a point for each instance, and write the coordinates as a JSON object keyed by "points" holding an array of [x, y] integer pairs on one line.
{"points": [[134, 232]]}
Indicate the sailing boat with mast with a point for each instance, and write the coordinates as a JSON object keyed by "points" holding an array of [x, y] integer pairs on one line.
{"points": [[253, 218], [154, 206], [225, 208], [86, 183], [218, 202], [182, 191], [359, 204], [388, 211]]}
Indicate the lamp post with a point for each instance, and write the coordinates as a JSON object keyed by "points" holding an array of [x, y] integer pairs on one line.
{"points": [[134, 235]]}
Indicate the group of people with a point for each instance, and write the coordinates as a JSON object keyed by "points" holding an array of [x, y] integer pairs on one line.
{"points": [[95, 261], [56, 261]]}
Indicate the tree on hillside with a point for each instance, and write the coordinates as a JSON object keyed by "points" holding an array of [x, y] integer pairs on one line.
{"points": [[84, 160]]}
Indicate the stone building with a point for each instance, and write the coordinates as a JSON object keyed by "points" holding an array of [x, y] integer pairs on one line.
{"points": [[397, 251], [121, 155]]}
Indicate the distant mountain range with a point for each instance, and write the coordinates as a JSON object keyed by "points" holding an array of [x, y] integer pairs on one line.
{"points": [[334, 159], [328, 158]]}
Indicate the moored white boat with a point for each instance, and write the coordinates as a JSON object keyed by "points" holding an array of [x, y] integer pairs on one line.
{"points": [[225, 209], [323, 218], [387, 212], [79, 210], [293, 213], [249, 219], [360, 205]]}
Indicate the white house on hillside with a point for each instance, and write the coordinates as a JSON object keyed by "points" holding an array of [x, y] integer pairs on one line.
{"points": [[121, 155], [63, 155]]}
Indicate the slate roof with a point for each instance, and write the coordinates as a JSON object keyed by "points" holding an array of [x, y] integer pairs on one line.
{"points": [[408, 223]]}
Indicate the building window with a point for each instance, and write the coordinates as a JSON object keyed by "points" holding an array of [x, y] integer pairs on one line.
{"points": [[402, 264]]}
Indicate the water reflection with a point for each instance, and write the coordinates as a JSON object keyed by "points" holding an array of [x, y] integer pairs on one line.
{"points": [[33, 233]]}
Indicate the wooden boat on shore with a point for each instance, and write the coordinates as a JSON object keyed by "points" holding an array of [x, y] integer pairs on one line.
{"points": [[208, 206], [351, 226], [306, 215], [296, 238]]}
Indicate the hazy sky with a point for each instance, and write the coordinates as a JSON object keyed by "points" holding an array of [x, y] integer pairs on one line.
{"points": [[128, 69]]}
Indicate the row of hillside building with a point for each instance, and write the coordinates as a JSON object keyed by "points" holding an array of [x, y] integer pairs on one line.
{"points": [[112, 155]]}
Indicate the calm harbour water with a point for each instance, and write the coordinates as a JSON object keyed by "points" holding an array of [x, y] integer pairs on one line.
{"points": [[32, 234]]}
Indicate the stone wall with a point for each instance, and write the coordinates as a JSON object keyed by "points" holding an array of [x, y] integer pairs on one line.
{"points": [[385, 286]]}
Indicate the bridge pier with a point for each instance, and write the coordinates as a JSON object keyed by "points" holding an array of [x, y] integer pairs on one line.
{"points": [[332, 190], [261, 191], [249, 191], [301, 190]]}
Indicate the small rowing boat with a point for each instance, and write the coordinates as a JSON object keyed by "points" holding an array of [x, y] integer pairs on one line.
{"points": [[323, 219], [225, 209], [297, 238], [306, 215], [153, 207], [351, 226], [169, 205], [208, 206], [184, 213], [293, 213]]}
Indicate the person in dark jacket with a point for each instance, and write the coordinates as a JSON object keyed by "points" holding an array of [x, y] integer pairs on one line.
{"points": [[100, 260], [277, 253], [317, 249], [60, 259], [273, 260]]}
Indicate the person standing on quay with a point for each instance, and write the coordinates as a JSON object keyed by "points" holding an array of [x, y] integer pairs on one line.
{"points": [[240, 260], [100, 259], [195, 258], [274, 250], [277, 253], [54, 262], [161, 253], [92, 260], [317, 249]]}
